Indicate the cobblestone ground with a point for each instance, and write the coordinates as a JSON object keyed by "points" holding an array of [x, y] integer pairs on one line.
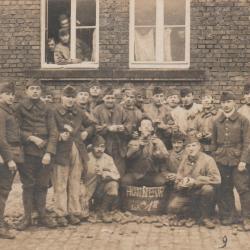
{"points": [[116, 236]]}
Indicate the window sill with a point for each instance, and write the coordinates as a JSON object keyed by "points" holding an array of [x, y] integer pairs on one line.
{"points": [[165, 66]]}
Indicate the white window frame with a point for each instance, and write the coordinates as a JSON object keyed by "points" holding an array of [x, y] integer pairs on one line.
{"points": [[73, 28], [159, 63]]}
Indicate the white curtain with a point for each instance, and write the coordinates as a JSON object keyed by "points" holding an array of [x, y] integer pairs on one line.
{"points": [[144, 44]]}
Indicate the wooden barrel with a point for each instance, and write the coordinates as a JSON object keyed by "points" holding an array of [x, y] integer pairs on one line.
{"points": [[144, 200]]}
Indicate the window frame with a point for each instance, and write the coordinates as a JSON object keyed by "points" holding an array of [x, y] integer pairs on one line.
{"points": [[82, 65], [159, 40]]}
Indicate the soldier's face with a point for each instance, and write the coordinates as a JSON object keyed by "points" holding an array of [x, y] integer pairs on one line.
{"points": [[82, 98], [7, 98], [95, 91], [207, 102], [158, 99], [98, 150], [34, 92], [109, 101], [228, 106], [146, 128], [187, 99], [129, 99], [247, 98], [68, 102], [173, 101], [65, 39], [139, 99], [192, 149], [178, 146]]}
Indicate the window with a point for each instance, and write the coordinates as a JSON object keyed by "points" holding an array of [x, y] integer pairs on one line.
{"points": [[70, 33], [159, 34]]}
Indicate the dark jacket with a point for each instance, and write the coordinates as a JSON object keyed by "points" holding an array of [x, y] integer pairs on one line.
{"points": [[10, 141], [80, 122], [37, 119], [231, 139], [115, 116]]}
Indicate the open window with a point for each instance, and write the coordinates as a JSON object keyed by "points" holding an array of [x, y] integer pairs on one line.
{"points": [[70, 33], [160, 34]]}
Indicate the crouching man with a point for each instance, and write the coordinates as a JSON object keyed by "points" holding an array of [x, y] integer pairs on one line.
{"points": [[101, 179], [145, 156], [195, 184]]}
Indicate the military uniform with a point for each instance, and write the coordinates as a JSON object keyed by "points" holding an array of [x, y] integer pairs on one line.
{"points": [[36, 119]]}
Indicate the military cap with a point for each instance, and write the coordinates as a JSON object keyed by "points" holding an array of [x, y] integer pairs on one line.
{"points": [[206, 92], [185, 91], [97, 141], [173, 91], [33, 82], [69, 91], [108, 91], [191, 138], [7, 87], [178, 136], [157, 90], [94, 83], [227, 95]]}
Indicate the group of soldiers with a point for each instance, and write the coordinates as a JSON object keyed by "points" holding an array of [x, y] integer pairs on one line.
{"points": [[96, 142]]}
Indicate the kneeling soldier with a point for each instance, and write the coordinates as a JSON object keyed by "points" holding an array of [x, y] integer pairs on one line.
{"points": [[101, 179], [10, 149], [195, 184]]}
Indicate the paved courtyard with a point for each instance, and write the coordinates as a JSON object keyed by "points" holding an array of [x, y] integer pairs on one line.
{"points": [[118, 236]]}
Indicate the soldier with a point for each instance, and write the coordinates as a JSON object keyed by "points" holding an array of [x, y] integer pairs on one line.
{"points": [[230, 141], [175, 157], [71, 157], [245, 109], [190, 110], [195, 184], [10, 149], [101, 179], [134, 115], [112, 124], [39, 137], [95, 92], [205, 120], [145, 155], [158, 112], [83, 99]]}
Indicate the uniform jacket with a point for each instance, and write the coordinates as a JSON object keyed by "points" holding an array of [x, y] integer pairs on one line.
{"points": [[80, 122], [203, 169], [10, 140], [231, 139], [37, 119], [115, 116]]}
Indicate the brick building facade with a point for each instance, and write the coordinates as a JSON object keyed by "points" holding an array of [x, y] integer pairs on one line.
{"points": [[219, 48]]}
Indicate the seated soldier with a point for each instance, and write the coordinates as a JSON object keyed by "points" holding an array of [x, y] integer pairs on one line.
{"points": [[145, 157], [176, 155], [100, 180], [195, 184]]}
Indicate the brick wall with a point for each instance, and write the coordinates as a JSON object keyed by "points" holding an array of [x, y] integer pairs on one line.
{"points": [[220, 48]]}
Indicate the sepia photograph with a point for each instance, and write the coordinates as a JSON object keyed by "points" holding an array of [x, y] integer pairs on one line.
{"points": [[124, 124]]}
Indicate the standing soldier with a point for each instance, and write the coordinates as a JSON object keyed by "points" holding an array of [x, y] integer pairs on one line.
{"points": [[112, 125], [10, 148], [205, 120], [230, 141], [71, 158], [95, 92], [190, 110], [39, 137], [245, 109]]}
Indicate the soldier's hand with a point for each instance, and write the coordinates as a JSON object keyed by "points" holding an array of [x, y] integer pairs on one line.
{"points": [[242, 166], [46, 159], [112, 128], [40, 143], [84, 135], [120, 128], [64, 136], [12, 166]]}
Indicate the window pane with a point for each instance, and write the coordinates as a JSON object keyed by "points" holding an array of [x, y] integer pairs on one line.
{"points": [[174, 12], [145, 12], [86, 13], [86, 44], [58, 17], [145, 44], [174, 44]]}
